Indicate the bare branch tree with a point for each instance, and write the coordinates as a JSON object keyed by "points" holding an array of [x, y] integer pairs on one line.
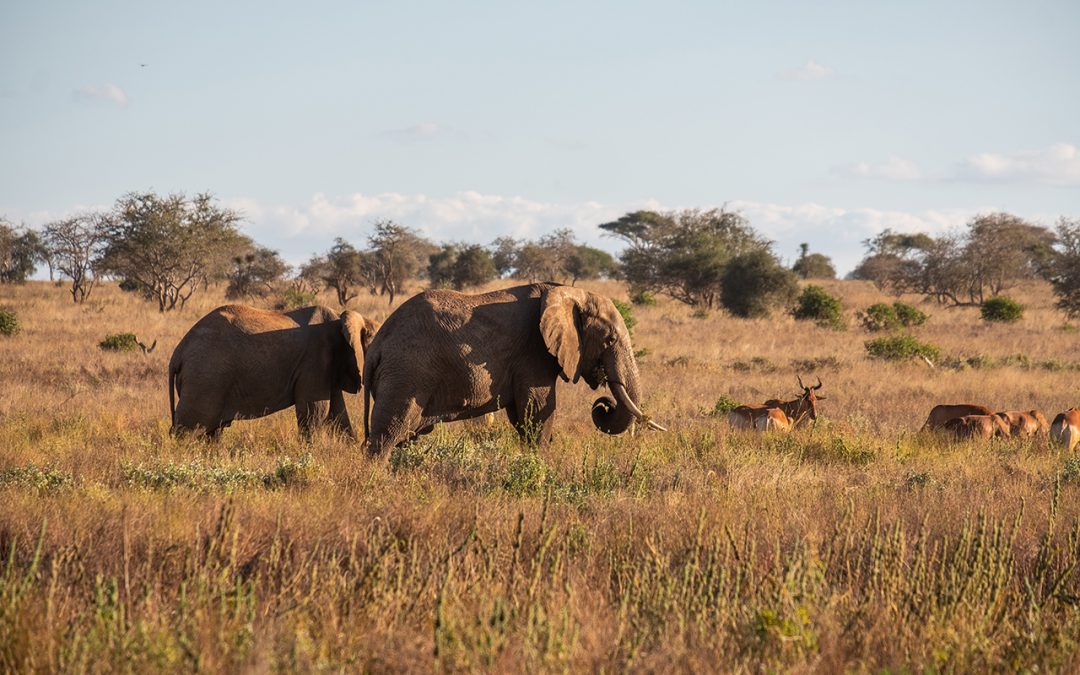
{"points": [[75, 245]]}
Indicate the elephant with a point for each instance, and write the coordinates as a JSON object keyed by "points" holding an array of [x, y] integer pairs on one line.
{"points": [[444, 356], [242, 362]]}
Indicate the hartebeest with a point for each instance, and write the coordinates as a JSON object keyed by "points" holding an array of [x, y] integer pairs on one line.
{"points": [[1021, 423], [1066, 429], [978, 426], [941, 414], [798, 410], [774, 419]]}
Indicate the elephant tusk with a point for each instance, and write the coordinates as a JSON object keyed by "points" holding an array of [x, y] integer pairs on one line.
{"points": [[619, 390]]}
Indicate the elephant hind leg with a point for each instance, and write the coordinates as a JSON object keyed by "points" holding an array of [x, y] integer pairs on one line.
{"points": [[201, 417]]}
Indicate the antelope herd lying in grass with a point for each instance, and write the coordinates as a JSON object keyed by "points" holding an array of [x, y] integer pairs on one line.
{"points": [[963, 421]]}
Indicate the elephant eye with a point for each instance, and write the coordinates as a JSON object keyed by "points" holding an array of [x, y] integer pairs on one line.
{"points": [[609, 342]]}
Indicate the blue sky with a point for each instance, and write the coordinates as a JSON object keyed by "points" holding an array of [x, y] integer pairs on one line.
{"points": [[823, 122]]}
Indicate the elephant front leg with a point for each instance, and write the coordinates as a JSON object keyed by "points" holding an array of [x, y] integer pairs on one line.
{"points": [[339, 415], [394, 424], [532, 415]]}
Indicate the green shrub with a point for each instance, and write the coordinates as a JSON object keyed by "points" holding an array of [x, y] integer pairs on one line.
{"points": [[120, 342], [9, 323], [724, 404], [294, 298], [643, 298], [1001, 309], [815, 304], [900, 348], [700, 313], [909, 316], [626, 310], [755, 282], [881, 316], [878, 316]]}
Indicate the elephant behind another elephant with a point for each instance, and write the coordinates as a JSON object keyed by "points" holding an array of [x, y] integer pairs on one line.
{"points": [[242, 362]]}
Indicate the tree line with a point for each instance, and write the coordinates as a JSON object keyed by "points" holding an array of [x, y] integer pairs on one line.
{"points": [[168, 247]]}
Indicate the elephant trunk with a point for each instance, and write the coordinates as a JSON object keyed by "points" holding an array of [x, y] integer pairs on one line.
{"points": [[616, 416]]}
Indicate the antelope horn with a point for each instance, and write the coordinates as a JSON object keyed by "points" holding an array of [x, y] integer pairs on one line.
{"points": [[619, 390], [818, 383], [799, 378]]}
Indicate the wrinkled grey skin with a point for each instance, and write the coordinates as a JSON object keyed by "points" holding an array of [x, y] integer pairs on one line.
{"points": [[242, 362], [446, 356]]}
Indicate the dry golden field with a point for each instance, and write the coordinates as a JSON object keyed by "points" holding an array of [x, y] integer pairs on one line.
{"points": [[858, 545]]}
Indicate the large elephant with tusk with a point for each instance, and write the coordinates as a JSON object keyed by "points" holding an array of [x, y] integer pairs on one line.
{"points": [[445, 356]]}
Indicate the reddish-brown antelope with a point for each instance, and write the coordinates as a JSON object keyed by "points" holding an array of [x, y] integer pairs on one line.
{"points": [[1066, 429], [774, 419], [1021, 423], [941, 414], [798, 410], [978, 426]]}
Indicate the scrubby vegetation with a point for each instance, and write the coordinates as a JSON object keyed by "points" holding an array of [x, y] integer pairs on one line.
{"points": [[9, 323], [120, 342], [882, 316], [815, 304], [901, 347], [1001, 310]]}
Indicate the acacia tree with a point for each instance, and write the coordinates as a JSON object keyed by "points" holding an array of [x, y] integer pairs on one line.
{"points": [[255, 273], [170, 246], [20, 252], [813, 265], [339, 269], [683, 254], [75, 246], [473, 267], [995, 252], [1065, 268], [399, 253], [586, 262], [503, 254]]}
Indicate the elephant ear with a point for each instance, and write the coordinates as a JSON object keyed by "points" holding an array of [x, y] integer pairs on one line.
{"points": [[560, 324], [353, 326]]}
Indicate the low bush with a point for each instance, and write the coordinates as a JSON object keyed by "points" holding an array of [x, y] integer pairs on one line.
{"points": [[643, 298], [901, 348], [909, 316], [815, 304], [724, 405], [1001, 309], [120, 342], [881, 316], [294, 298], [9, 323]]}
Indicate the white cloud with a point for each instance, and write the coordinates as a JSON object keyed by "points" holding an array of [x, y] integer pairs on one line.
{"points": [[894, 168], [812, 70], [108, 92], [1057, 165], [301, 230]]}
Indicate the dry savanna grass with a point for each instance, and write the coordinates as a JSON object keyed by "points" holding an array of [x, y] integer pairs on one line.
{"points": [[857, 545]]}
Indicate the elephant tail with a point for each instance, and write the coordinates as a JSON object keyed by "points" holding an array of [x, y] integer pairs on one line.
{"points": [[172, 394], [369, 383], [367, 413]]}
